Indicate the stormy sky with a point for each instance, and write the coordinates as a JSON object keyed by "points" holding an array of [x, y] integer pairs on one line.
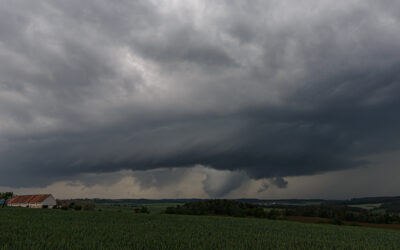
{"points": [[175, 98]]}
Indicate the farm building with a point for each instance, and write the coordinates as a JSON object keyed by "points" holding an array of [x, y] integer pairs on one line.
{"points": [[34, 201]]}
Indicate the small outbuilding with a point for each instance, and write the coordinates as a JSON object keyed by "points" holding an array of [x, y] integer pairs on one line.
{"points": [[34, 201]]}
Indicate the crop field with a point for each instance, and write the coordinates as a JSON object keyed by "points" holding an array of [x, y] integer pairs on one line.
{"points": [[24, 228]]}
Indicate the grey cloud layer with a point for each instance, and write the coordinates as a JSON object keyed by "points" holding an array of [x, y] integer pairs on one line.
{"points": [[272, 88]]}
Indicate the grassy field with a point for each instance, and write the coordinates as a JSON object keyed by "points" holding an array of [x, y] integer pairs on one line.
{"points": [[24, 228], [367, 206]]}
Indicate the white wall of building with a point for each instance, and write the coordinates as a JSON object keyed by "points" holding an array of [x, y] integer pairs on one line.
{"points": [[50, 201]]}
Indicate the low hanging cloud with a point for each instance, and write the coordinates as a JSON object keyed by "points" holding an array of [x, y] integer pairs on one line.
{"points": [[269, 89], [264, 187], [279, 182], [198, 181]]}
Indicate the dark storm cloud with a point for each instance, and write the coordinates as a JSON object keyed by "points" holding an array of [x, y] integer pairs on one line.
{"points": [[272, 88]]}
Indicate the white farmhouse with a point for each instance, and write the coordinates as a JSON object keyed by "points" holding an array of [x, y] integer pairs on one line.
{"points": [[34, 201]]}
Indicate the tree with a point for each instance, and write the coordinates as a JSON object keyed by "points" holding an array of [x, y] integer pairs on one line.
{"points": [[89, 206], [142, 209], [5, 196]]}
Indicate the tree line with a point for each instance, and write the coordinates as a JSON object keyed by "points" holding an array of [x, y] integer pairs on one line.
{"points": [[241, 209], [219, 207]]}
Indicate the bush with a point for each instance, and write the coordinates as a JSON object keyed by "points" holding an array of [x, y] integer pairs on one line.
{"points": [[337, 221], [273, 214], [169, 210], [89, 206], [71, 205], [142, 209], [78, 207]]}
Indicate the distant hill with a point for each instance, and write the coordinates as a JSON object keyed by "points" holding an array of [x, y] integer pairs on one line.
{"points": [[369, 200]]}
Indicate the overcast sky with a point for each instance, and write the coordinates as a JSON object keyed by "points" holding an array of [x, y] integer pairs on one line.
{"points": [[176, 98]]}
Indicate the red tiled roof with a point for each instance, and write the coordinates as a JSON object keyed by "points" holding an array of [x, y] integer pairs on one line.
{"points": [[26, 199]]}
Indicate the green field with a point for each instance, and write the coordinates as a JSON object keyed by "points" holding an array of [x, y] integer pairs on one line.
{"points": [[367, 206], [24, 228]]}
